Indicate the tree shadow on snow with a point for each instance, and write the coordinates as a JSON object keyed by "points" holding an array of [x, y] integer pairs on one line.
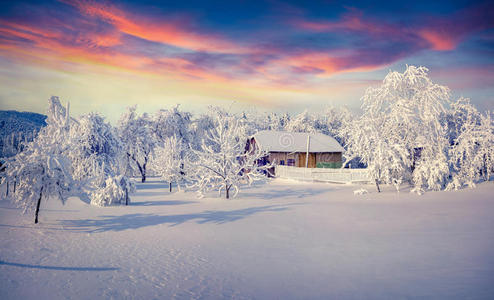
{"points": [[84, 198], [55, 267], [284, 193], [140, 193], [160, 203], [135, 221], [10, 207], [152, 185]]}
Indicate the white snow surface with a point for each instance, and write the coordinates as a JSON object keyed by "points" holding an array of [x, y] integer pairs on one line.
{"points": [[284, 141], [279, 240]]}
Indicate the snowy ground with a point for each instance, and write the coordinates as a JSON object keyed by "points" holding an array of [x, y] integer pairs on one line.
{"points": [[281, 240]]}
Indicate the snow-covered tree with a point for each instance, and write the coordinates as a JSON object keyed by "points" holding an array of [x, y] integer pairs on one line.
{"points": [[13, 144], [98, 162], [173, 122], [203, 124], [15, 137], [199, 127], [167, 124], [416, 115], [169, 161], [432, 168], [472, 153], [372, 143], [284, 119], [462, 112], [272, 121], [403, 121], [303, 122], [256, 121], [486, 144], [42, 170], [333, 122], [138, 140], [223, 162], [96, 148]]}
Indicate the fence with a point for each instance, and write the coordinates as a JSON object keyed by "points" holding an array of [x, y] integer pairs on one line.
{"points": [[323, 174]]}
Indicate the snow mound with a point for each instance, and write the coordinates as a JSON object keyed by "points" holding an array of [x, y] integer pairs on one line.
{"points": [[360, 192]]}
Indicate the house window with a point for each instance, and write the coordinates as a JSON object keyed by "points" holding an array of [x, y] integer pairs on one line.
{"points": [[290, 162]]}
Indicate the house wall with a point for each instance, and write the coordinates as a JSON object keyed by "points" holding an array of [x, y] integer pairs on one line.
{"points": [[299, 158], [251, 145], [311, 162], [329, 157], [278, 157]]}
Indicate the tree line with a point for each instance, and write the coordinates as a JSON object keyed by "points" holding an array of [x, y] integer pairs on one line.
{"points": [[409, 132]]}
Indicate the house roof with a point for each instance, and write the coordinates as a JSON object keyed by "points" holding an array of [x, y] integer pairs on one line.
{"points": [[283, 141]]}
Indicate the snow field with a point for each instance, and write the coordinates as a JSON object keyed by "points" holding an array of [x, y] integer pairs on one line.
{"points": [[279, 240]]}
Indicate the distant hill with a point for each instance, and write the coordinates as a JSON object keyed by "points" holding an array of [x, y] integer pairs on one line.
{"points": [[23, 124]]}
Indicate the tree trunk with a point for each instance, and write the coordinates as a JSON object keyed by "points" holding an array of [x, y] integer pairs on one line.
{"points": [[227, 192], [377, 185], [142, 170], [170, 186], [37, 206], [7, 191], [486, 171], [143, 173], [126, 196], [15, 184]]}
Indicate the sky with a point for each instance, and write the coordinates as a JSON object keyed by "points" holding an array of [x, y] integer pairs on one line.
{"points": [[245, 55]]}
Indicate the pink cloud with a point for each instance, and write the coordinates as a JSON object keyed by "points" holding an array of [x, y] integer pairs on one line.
{"points": [[353, 21], [440, 41], [156, 31], [439, 33]]}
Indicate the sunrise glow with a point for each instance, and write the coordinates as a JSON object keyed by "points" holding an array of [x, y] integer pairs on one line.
{"points": [[106, 55]]}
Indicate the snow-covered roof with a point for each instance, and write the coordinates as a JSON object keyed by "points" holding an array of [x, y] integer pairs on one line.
{"points": [[282, 141]]}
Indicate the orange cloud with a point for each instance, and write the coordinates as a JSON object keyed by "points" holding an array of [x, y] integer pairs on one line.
{"points": [[46, 46], [103, 39], [325, 64], [25, 31], [49, 46]]}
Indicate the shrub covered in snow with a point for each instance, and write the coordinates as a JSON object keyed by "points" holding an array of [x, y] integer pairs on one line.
{"points": [[115, 190]]}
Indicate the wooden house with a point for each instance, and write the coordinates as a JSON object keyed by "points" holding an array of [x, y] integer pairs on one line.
{"points": [[298, 149]]}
